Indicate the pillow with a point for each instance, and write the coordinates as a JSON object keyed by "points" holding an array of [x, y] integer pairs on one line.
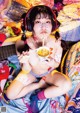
{"points": [[15, 11], [73, 57], [68, 56]]}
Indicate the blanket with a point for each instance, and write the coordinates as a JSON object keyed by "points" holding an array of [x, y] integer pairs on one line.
{"points": [[74, 103], [23, 105], [69, 18]]}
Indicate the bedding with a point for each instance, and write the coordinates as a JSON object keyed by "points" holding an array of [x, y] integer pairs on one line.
{"points": [[22, 105], [70, 1], [70, 65], [54, 105], [69, 17], [61, 104], [74, 103], [31, 3]]}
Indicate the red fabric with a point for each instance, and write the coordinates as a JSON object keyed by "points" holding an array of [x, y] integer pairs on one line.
{"points": [[2, 38], [4, 72], [16, 30]]}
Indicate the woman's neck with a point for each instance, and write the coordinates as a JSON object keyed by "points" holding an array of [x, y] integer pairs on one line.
{"points": [[39, 42]]}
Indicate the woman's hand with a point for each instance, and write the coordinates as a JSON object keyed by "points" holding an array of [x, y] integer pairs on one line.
{"points": [[23, 55], [42, 84], [24, 60], [33, 58]]}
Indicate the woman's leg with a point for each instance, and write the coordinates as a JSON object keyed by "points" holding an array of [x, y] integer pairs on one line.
{"points": [[59, 84]]}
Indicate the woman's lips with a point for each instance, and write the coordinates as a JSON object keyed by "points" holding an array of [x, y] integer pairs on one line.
{"points": [[43, 32]]}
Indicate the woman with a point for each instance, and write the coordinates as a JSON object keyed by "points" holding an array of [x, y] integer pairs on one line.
{"points": [[42, 21]]}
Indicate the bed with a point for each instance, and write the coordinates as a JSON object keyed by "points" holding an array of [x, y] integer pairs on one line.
{"points": [[61, 104]]}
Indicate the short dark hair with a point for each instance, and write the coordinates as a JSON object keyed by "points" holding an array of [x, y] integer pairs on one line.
{"points": [[41, 9]]}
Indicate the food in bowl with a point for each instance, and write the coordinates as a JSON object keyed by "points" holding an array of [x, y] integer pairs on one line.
{"points": [[43, 51]]}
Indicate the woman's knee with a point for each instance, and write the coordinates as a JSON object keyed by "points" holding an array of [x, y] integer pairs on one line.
{"points": [[63, 81], [67, 84]]}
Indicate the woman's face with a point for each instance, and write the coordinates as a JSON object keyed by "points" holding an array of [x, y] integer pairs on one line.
{"points": [[42, 26]]}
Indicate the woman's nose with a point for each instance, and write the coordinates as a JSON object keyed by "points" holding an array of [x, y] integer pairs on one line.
{"points": [[43, 25]]}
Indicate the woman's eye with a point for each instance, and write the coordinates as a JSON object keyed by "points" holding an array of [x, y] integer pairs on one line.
{"points": [[36, 22], [48, 22]]}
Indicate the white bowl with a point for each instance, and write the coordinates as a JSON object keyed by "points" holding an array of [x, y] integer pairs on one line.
{"points": [[43, 51]]}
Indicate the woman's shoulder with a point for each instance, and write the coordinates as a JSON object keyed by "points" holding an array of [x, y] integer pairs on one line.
{"points": [[52, 38], [30, 38]]}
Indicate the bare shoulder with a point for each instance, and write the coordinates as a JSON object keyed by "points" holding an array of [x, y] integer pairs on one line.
{"points": [[30, 38], [51, 40]]}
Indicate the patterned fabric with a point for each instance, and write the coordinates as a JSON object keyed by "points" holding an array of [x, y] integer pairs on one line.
{"points": [[72, 66], [73, 106], [70, 1], [53, 105], [23, 105], [73, 57], [30, 3], [69, 17]]}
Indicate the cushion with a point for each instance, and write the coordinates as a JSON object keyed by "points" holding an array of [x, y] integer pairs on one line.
{"points": [[73, 57], [67, 56]]}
